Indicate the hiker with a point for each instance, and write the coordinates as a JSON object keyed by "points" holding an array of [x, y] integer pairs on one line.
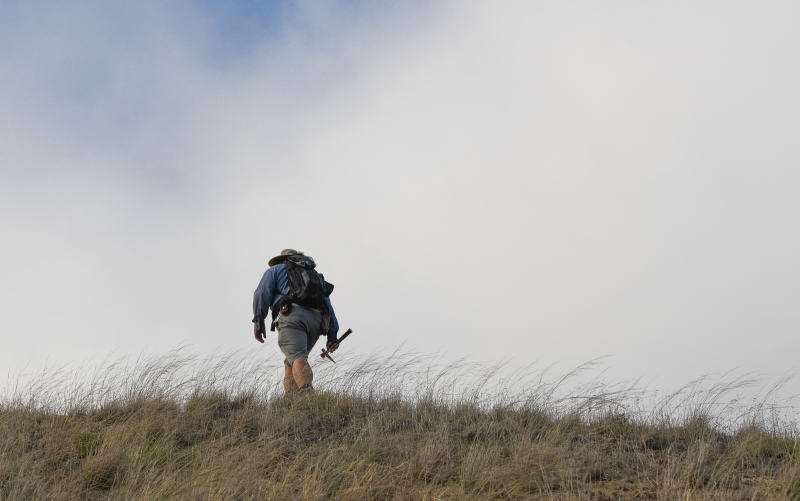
{"points": [[301, 311]]}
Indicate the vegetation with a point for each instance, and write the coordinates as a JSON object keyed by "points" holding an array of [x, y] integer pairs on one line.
{"points": [[176, 427]]}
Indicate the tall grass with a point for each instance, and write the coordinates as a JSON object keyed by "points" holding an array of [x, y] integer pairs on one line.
{"points": [[398, 426]]}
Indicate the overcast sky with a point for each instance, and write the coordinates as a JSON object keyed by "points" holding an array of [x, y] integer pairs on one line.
{"points": [[538, 181]]}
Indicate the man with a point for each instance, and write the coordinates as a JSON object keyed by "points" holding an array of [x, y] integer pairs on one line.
{"points": [[301, 310]]}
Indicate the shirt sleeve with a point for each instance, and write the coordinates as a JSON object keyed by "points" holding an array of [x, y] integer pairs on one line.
{"points": [[262, 299], [334, 328]]}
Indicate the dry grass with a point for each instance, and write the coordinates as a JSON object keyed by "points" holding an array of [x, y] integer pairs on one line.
{"points": [[179, 427]]}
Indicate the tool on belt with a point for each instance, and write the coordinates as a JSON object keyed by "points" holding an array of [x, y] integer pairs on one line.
{"points": [[327, 354]]}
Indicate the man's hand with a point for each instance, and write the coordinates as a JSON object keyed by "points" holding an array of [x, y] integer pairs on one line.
{"points": [[260, 335], [332, 346]]}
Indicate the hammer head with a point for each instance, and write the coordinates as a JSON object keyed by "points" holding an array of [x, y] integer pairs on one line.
{"points": [[327, 355]]}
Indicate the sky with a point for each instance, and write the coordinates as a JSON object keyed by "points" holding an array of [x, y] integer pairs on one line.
{"points": [[512, 182]]}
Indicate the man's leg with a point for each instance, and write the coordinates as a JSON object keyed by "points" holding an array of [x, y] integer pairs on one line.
{"points": [[288, 380], [301, 372], [297, 333], [292, 341]]}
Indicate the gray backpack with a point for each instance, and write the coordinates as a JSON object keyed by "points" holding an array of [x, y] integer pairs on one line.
{"points": [[306, 287]]}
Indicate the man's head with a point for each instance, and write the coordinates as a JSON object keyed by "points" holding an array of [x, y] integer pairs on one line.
{"points": [[285, 253]]}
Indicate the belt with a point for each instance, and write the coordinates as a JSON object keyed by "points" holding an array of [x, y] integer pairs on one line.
{"points": [[306, 308]]}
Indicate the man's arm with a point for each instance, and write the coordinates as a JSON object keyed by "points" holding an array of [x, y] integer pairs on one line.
{"points": [[262, 300], [333, 330]]}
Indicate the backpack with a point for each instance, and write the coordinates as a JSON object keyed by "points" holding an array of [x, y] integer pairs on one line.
{"points": [[306, 287]]}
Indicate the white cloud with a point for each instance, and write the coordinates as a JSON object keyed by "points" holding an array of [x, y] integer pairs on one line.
{"points": [[536, 181]]}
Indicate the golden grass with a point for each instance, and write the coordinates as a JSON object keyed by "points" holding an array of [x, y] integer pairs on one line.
{"points": [[180, 428]]}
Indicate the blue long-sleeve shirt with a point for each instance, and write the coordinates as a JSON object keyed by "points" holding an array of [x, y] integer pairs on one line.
{"points": [[273, 286]]}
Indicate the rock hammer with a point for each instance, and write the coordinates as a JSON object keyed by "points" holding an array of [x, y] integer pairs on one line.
{"points": [[326, 354]]}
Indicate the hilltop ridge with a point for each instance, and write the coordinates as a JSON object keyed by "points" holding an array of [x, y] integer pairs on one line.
{"points": [[348, 445]]}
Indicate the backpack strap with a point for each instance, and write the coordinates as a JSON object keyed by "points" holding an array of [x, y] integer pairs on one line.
{"points": [[326, 320]]}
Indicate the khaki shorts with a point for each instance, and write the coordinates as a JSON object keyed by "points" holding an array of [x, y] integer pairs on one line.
{"points": [[298, 332]]}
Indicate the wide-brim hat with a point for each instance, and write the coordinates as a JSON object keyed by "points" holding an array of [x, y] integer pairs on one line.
{"points": [[282, 256]]}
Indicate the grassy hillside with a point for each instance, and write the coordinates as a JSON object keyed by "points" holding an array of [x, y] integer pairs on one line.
{"points": [[137, 433]]}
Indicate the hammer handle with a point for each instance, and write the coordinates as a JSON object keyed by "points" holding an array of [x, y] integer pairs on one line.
{"points": [[349, 331]]}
